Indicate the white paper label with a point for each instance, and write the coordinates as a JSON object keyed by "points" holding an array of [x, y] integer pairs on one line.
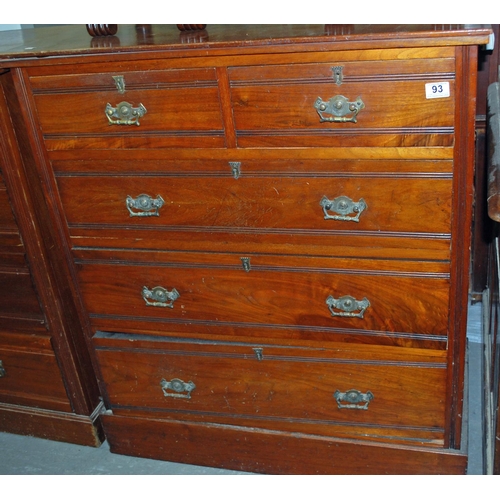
{"points": [[437, 90]]}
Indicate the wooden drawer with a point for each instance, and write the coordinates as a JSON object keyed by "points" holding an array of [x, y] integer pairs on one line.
{"points": [[177, 107], [287, 301], [384, 102], [12, 252], [269, 385], [30, 374], [273, 206], [6, 216], [307, 203], [18, 297]]}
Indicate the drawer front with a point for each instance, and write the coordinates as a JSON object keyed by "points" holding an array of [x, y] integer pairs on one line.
{"points": [[262, 205], [29, 373], [244, 241], [305, 203], [11, 246], [6, 216], [353, 103], [120, 81], [288, 300], [12, 252], [270, 383], [180, 106], [18, 297]]}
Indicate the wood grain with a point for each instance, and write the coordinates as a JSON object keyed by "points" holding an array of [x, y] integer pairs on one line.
{"points": [[287, 204], [32, 376], [283, 385], [271, 452], [247, 94], [49, 424], [274, 297]]}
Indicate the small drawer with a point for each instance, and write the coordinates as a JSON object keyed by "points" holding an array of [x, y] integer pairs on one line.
{"points": [[120, 80], [12, 252], [108, 110], [287, 301], [6, 216], [304, 387], [29, 373], [11, 246], [18, 297], [352, 103]]}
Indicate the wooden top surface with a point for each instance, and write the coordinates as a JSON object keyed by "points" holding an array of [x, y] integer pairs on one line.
{"points": [[42, 45]]}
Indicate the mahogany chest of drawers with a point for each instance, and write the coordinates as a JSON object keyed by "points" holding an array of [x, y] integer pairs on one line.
{"points": [[47, 385], [267, 233]]}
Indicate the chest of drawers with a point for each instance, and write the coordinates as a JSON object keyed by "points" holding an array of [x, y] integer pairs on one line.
{"points": [[268, 237], [47, 385]]}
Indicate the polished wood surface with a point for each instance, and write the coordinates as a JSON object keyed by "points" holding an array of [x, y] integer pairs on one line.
{"points": [[289, 387], [46, 387], [74, 40], [269, 452], [233, 145], [32, 376], [290, 203], [210, 297]]}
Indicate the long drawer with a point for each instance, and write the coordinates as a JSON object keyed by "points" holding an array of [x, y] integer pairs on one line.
{"points": [[345, 103], [287, 301], [381, 203], [361, 208], [384, 392]]}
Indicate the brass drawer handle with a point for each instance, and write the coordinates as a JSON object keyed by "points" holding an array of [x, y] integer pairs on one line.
{"points": [[160, 297], [144, 205], [2, 370], [178, 387], [348, 306], [343, 206], [340, 109], [124, 114], [353, 399]]}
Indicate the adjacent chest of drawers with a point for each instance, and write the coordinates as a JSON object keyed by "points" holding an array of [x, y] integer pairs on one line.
{"points": [[47, 385], [268, 241]]}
